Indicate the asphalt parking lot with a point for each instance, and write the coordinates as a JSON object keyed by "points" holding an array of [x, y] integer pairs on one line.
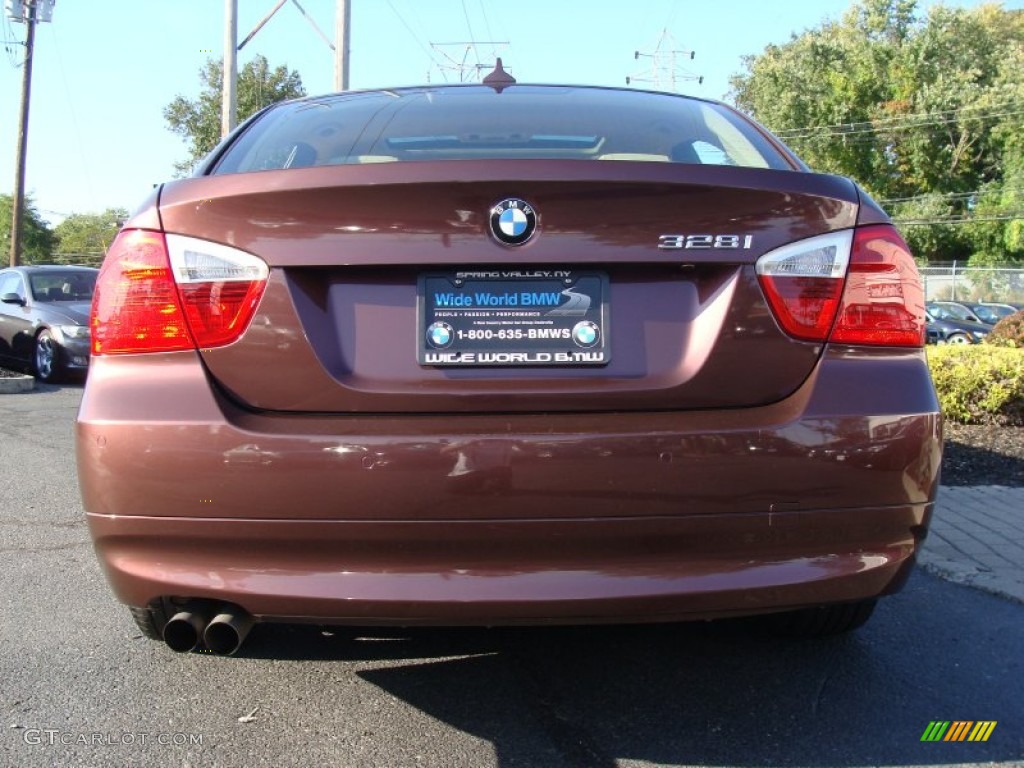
{"points": [[79, 685]]}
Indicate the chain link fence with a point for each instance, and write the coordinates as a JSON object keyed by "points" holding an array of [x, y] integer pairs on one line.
{"points": [[956, 281]]}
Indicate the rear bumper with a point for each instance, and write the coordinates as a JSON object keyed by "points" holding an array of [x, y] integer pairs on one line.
{"points": [[524, 518], [626, 569]]}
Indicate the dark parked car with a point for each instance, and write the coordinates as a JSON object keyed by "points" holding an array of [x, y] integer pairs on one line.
{"points": [[954, 331], [952, 310], [505, 354], [44, 318], [990, 314]]}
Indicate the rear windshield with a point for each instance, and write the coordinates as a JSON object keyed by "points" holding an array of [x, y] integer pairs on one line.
{"points": [[473, 122], [63, 286]]}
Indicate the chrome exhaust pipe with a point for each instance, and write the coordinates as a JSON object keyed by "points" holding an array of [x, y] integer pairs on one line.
{"points": [[185, 628], [225, 634]]}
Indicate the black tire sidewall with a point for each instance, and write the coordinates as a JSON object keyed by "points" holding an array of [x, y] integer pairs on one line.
{"points": [[56, 367]]}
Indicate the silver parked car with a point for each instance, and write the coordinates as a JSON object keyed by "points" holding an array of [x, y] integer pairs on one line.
{"points": [[44, 318]]}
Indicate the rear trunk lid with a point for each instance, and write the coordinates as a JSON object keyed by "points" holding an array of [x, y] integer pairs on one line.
{"points": [[357, 252]]}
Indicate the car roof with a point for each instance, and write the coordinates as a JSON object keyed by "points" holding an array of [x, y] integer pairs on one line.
{"points": [[28, 269], [612, 92]]}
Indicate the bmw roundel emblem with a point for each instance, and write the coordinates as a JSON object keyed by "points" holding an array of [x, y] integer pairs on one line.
{"points": [[586, 333], [440, 335], [513, 221]]}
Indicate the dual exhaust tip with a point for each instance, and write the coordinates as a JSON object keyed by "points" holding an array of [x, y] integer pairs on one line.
{"points": [[192, 626]]}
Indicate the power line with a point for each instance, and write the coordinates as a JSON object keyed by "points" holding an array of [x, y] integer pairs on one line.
{"points": [[951, 195], [54, 213], [417, 20], [487, 21], [964, 219], [83, 156], [471, 35], [886, 135], [896, 118], [10, 39], [412, 32], [903, 122], [672, 16], [934, 196], [502, 29], [462, 67]]}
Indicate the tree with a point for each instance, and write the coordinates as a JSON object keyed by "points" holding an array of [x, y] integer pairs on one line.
{"points": [[199, 120], [37, 239], [83, 238], [923, 111], [927, 240]]}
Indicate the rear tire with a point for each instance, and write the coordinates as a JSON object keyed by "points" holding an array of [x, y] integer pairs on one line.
{"points": [[822, 620], [149, 621]]}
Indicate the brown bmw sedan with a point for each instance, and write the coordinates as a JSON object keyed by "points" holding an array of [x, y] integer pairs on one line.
{"points": [[505, 355]]}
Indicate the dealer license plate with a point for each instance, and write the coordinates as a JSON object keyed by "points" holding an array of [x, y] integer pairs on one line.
{"points": [[508, 317]]}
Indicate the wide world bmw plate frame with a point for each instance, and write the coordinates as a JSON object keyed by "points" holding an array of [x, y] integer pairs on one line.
{"points": [[513, 317]]}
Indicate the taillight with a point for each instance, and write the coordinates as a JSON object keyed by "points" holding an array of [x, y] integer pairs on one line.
{"points": [[219, 287], [853, 287], [135, 304], [883, 303], [803, 282], [161, 293]]}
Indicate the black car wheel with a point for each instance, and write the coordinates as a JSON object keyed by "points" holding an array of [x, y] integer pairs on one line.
{"points": [[958, 338], [46, 359]]}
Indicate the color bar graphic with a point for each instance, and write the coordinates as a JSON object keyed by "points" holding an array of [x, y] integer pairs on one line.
{"points": [[935, 731], [958, 730], [982, 730]]}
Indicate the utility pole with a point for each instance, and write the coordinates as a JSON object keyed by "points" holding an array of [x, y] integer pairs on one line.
{"points": [[28, 15], [342, 44], [229, 75]]}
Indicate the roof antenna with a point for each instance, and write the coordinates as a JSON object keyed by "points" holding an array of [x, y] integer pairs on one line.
{"points": [[499, 79]]}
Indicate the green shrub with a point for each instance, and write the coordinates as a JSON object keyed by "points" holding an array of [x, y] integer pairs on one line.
{"points": [[979, 384], [1008, 332]]}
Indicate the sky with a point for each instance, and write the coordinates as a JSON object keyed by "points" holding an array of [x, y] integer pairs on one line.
{"points": [[105, 69]]}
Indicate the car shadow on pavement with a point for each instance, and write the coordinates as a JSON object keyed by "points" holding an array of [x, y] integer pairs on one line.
{"points": [[719, 693], [44, 388], [70, 383], [965, 465]]}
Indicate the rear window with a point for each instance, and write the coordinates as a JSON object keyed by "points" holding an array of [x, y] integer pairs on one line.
{"points": [[474, 122], [63, 286]]}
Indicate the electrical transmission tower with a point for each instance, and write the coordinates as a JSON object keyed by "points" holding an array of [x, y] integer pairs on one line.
{"points": [[468, 71], [665, 72]]}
